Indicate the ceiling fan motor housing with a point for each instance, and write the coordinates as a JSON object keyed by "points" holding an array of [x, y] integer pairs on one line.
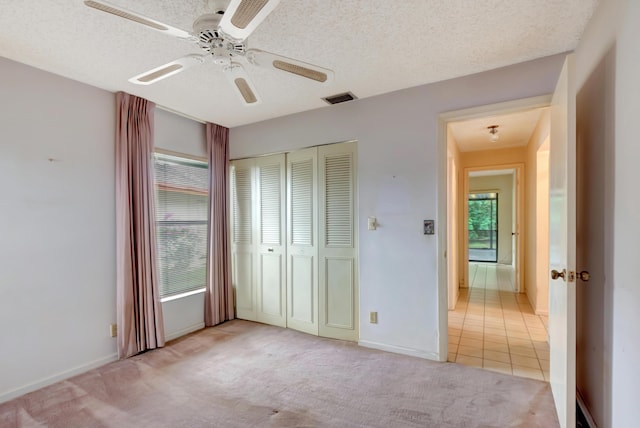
{"points": [[212, 40]]}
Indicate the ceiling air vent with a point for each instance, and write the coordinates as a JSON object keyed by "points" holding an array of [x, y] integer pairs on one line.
{"points": [[340, 98]]}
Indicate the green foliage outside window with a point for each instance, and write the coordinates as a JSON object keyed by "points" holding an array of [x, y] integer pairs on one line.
{"points": [[483, 220]]}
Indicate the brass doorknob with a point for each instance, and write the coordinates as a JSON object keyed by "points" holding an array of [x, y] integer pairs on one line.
{"points": [[555, 274], [584, 276]]}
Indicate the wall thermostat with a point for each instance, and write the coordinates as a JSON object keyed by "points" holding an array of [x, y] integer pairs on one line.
{"points": [[429, 227]]}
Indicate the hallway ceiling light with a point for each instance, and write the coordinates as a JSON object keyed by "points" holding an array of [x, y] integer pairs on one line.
{"points": [[493, 131]]}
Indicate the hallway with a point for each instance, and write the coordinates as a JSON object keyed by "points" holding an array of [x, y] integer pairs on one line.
{"points": [[493, 327]]}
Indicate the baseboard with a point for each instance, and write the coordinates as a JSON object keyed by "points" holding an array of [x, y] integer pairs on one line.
{"points": [[585, 410], [400, 350], [184, 331], [9, 395]]}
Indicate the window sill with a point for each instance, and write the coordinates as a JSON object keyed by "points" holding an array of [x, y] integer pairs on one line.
{"points": [[182, 295]]}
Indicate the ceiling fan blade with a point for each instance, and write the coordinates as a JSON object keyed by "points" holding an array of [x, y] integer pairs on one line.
{"points": [[136, 17], [293, 66], [243, 16], [242, 83], [166, 70]]}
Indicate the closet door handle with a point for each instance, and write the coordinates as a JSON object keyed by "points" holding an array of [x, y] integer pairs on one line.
{"points": [[270, 250]]}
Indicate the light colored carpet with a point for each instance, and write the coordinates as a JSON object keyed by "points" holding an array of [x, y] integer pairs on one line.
{"points": [[243, 374]]}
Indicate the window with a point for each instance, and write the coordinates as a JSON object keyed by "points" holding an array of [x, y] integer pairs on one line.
{"points": [[181, 223], [483, 227]]}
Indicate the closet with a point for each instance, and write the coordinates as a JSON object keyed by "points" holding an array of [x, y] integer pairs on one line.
{"points": [[293, 240]]}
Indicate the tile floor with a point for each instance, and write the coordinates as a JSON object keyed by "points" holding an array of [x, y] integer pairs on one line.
{"points": [[494, 328]]}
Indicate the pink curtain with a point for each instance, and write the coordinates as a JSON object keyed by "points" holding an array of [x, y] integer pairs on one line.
{"points": [[218, 303], [139, 311]]}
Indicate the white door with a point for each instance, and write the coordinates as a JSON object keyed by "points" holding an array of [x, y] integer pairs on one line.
{"points": [[302, 241], [562, 246], [270, 246], [338, 279], [242, 239]]}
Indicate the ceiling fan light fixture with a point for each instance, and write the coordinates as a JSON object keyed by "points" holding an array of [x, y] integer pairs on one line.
{"points": [[493, 133]]}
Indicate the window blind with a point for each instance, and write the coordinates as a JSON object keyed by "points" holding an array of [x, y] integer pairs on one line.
{"points": [[181, 223]]}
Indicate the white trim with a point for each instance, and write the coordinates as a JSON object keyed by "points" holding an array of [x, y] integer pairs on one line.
{"points": [[175, 154], [400, 350], [181, 295], [9, 395], [184, 331], [495, 109], [442, 225], [287, 151]]}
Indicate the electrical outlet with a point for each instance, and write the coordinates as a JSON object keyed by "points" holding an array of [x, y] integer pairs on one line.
{"points": [[373, 317], [113, 330]]}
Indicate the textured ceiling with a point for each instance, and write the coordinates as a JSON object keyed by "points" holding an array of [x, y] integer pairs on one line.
{"points": [[373, 46], [514, 130]]}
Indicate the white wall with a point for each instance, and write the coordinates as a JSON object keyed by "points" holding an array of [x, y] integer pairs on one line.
{"points": [[181, 135], [506, 209], [397, 137], [626, 233], [608, 66], [57, 228]]}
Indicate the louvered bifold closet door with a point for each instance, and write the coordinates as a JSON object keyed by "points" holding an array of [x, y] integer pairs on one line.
{"points": [[243, 238], [302, 241], [338, 274], [271, 261]]}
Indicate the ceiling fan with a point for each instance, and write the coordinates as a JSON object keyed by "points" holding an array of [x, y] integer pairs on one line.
{"points": [[222, 35]]}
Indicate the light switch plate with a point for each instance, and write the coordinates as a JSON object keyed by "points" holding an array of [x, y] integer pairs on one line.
{"points": [[372, 223], [429, 228]]}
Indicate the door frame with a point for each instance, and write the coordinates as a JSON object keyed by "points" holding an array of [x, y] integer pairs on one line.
{"points": [[518, 193], [493, 215], [443, 225]]}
